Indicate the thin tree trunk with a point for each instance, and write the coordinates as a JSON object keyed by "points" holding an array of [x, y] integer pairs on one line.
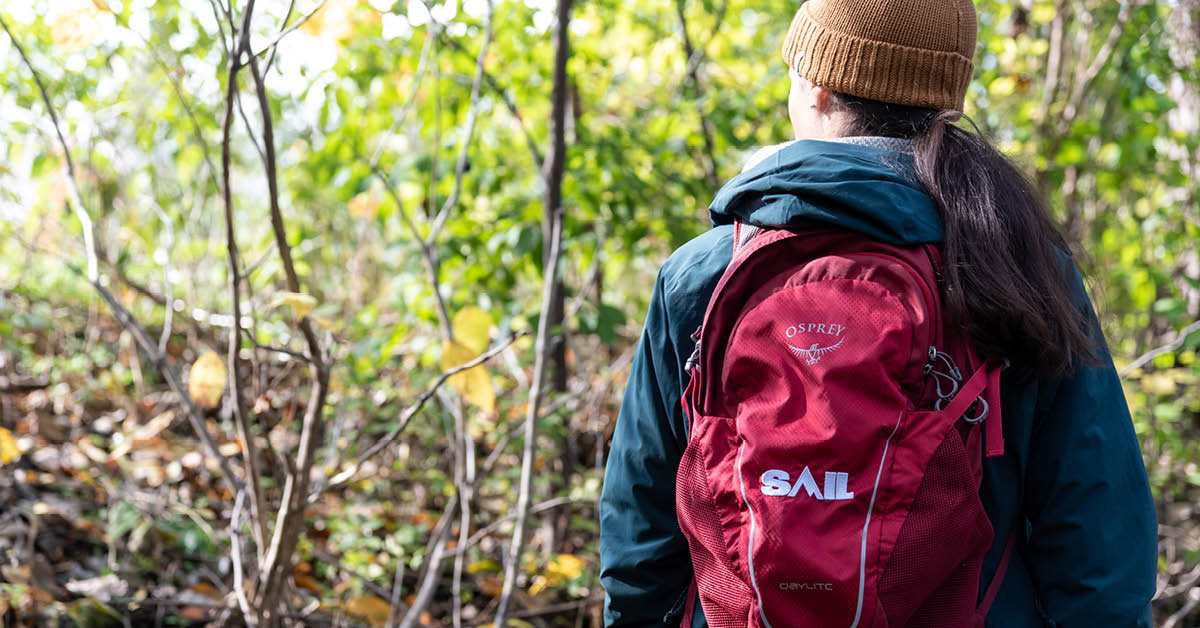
{"points": [[552, 305], [554, 165]]}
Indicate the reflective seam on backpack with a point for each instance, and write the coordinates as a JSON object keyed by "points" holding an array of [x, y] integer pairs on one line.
{"points": [[862, 560], [750, 546]]}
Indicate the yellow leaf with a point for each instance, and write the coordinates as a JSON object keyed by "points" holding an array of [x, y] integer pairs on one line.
{"points": [[364, 205], [473, 384], [471, 326], [300, 303], [206, 380], [559, 570], [76, 30], [486, 564], [371, 608], [8, 447], [1158, 384], [1003, 86], [1043, 13], [566, 566]]}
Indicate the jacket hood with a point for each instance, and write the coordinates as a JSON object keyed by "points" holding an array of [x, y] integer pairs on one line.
{"points": [[810, 183]]}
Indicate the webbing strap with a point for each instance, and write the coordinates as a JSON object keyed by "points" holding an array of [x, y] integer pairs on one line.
{"points": [[998, 578]]}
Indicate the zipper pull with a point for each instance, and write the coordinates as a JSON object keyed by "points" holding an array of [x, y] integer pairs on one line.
{"points": [[693, 361]]}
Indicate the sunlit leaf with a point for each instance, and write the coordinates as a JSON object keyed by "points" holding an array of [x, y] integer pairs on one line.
{"points": [[206, 380], [8, 447], [474, 384], [371, 608], [471, 326], [300, 303]]}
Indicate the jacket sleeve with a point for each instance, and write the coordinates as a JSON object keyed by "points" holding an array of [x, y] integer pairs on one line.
{"points": [[644, 562], [1093, 535]]}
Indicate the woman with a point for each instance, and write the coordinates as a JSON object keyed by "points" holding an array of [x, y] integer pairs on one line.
{"points": [[882, 83]]}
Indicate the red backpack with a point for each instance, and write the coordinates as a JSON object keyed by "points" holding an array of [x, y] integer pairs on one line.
{"points": [[834, 454]]}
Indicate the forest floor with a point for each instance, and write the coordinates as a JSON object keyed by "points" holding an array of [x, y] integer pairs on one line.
{"points": [[111, 516]]}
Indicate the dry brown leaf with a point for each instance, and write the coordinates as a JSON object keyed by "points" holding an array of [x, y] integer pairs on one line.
{"points": [[371, 608], [305, 581]]}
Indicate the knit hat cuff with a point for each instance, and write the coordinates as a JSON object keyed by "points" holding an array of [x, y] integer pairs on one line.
{"points": [[876, 70]]}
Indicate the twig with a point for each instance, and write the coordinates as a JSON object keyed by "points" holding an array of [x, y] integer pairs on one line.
{"points": [[285, 32], [1179, 615], [408, 104], [258, 510], [1186, 583], [1099, 62], [537, 508], [710, 164], [235, 540], [394, 600], [347, 475], [472, 115], [291, 511], [286, 16], [249, 129], [123, 316], [1053, 61], [509, 103], [557, 608], [85, 219], [1145, 358], [535, 397], [434, 563], [428, 255], [167, 244]]}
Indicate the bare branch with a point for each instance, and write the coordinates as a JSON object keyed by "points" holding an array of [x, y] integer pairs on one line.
{"points": [[290, 518], [710, 163], [235, 541], [285, 32], [408, 104], [472, 115], [85, 219], [509, 103], [536, 508], [513, 557], [394, 599], [1192, 602], [1145, 358], [428, 254], [1054, 61], [438, 539], [282, 25], [241, 419], [1099, 62], [249, 127], [343, 478], [195, 417]]}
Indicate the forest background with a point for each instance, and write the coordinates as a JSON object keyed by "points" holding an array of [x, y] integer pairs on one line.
{"points": [[241, 245]]}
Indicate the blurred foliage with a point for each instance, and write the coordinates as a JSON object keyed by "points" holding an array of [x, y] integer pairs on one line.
{"points": [[139, 87]]}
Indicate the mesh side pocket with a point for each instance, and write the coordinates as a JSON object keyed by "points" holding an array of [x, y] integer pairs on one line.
{"points": [[724, 597], [932, 577]]}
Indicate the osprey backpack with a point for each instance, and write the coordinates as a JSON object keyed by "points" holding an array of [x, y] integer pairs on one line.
{"points": [[835, 441]]}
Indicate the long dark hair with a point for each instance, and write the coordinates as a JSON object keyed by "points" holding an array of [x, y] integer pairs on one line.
{"points": [[1004, 260]]}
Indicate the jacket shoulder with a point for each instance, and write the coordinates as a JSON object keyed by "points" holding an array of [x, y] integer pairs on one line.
{"points": [[690, 274]]}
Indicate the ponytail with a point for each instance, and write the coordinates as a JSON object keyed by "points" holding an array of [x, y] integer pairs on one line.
{"points": [[1005, 263]]}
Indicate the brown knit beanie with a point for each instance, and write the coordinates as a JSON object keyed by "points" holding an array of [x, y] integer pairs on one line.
{"points": [[907, 52]]}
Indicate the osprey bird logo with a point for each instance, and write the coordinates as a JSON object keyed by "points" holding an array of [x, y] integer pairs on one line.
{"points": [[813, 354]]}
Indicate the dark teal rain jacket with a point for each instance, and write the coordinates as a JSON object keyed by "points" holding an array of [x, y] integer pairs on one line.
{"points": [[1071, 482]]}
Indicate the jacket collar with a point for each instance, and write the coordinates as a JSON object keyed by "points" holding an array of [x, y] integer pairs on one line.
{"points": [[862, 184]]}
